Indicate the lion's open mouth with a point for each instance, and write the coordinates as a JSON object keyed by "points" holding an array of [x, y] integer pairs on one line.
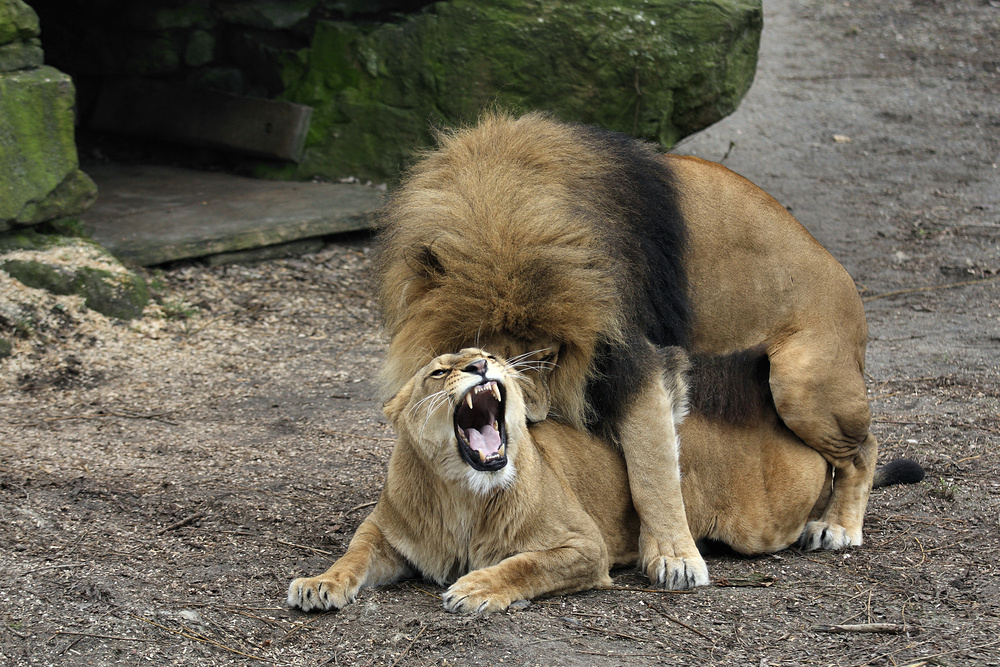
{"points": [[479, 427]]}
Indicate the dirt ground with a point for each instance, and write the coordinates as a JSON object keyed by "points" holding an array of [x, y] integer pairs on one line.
{"points": [[162, 482]]}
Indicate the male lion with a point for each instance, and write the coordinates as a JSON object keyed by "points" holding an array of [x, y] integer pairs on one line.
{"points": [[585, 250], [504, 511]]}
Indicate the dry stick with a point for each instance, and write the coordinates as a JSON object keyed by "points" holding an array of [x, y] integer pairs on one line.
{"points": [[928, 288], [355, 435], [594, 628], [433, 595], [303, 625], [682, 623], [204, 640], [191, 518], [302, 546], [409, 646], [87, 634], [886, 628], [360, 507], [644, 590]]}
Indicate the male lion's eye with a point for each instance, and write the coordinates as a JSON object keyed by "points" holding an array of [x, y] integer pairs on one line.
{"points": [[439, 372]]}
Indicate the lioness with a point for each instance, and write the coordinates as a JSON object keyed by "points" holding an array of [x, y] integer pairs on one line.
{"points": [[589, 250], [505, 511]]}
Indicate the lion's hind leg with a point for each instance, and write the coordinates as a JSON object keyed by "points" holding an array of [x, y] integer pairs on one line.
{"points": [[370, 560], [842, 521], [819, 391]]}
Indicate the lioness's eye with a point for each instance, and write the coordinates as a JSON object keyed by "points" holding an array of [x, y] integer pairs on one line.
{"points": [[439, 372]]}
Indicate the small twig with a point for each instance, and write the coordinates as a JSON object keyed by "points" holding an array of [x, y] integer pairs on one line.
{"points": [[52, 567], [409, 646], [355, 435], [183, 522], [360, 507], [204, 640], [928, 288], [593, 628], [645, 590], [10, 629], [681, 623], [433, 595], [302, 546], [121, 639], [304, 625], [884, 628]]}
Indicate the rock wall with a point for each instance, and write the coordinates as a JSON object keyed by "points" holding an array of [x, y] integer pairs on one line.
{"points": [[40, 177], [380, 74]]}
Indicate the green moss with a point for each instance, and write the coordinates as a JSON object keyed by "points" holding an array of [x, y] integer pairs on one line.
{"points": [[37, 136], [55, 279], [21, 55], [655, 71], [119, 294], [74, 195], [17, 21], [122, 296]]}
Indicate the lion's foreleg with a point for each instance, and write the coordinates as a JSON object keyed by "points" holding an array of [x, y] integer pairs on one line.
{"points": [[842, 521], [648, 439], [578, 565], [370, 561]]}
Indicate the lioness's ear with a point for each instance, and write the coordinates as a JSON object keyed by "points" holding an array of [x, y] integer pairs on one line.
{"points": [[395, 405], [536, 397]]}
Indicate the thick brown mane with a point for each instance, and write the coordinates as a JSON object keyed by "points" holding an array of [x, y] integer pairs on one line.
{"points": [[509, 234]]}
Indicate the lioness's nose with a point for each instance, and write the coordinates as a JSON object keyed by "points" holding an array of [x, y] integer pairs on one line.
{"points": [[478, 366]]}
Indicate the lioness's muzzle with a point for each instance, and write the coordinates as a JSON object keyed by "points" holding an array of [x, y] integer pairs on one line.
{"points": [[479, 426]]}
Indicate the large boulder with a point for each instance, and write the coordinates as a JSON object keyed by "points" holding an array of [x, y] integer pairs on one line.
{"points": [[40, 177], [654, 70]]}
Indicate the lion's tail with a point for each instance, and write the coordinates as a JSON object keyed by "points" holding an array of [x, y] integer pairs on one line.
{"points": [[899, 471]]}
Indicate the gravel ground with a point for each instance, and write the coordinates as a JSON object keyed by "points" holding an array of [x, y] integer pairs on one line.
{"points": [[162, 481]]}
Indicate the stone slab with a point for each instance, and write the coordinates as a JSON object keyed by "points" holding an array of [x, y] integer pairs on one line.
{"points": [[151, 215], [202, 117]]}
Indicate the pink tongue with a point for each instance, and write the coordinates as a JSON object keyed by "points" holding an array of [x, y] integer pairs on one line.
{"points": [[485, 440]]}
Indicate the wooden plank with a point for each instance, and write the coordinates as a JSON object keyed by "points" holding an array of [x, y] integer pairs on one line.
{"points": [[151, 215], [202, 117]]}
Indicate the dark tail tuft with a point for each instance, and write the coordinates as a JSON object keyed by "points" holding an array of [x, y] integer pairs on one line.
{"points": [[900, 471]]}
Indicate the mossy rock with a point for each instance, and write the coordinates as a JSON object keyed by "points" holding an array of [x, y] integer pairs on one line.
{"points": [[41, 179], [658, 71], [113, 291], [119, 295], [6, 348], [18, 21]]}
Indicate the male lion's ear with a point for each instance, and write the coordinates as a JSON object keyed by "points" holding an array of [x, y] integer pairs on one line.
{"points": [[423, 261]]}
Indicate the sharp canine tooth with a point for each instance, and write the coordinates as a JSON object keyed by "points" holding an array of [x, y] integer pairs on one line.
{"points": [[496, 391], [482, 457], [502, 450], [468, 399]]}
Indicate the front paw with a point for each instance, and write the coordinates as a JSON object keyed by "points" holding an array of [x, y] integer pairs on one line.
{"points": [[474, 593], [319, 593], [823, 535], [677, 573]]}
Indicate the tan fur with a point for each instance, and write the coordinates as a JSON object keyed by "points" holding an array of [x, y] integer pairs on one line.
{"points": [[565, 516], [526, 189]]}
